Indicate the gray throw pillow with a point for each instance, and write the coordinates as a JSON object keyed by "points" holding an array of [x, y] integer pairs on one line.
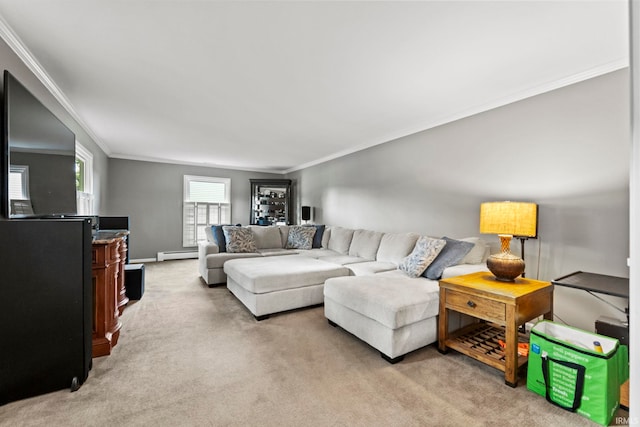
{"points": [[239, 239], [452, 253], [425, 251], [300, 237]]}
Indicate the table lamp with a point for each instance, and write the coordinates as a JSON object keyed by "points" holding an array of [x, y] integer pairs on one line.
{"points": [[508, 219]]}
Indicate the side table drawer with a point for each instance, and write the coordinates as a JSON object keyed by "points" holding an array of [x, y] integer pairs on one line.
{"points": [[482, 308]]}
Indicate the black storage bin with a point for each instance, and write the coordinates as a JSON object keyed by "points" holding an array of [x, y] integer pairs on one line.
{"points": [[134, 281]]}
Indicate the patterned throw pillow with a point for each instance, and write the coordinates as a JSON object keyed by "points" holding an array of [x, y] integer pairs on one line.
{"points": [[239, 239], [453, 252], [300, 237], [425, 251]]}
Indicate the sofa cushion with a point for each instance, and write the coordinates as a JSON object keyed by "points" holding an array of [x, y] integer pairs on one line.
{"points": [[343, 259], [452, 253], [284, 234], [267, 237], [426, 250], [368, 268], [340, 239], [209, 233], [239, 239], [365, 244], [395, 246], [462, 269], [276, 251], [300, 237], [325, 238], [392, 301], [317, 253], [269, 274], [477, 254], [218, 260]]}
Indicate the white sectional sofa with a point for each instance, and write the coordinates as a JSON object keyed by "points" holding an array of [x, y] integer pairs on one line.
{"points": [[354, 274]]}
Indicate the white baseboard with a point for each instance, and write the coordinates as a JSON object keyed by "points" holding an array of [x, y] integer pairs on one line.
{"points": [[169, 255], [142, 260]]}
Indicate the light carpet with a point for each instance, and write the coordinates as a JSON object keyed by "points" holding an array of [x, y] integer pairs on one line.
{"points": [[189, 355]]}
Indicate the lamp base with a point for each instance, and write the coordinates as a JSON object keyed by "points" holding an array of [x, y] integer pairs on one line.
{"points": [[505, 266]]}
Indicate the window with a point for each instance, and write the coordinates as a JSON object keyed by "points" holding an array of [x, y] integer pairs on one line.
{"points": [[206, 203], [84, 180], [18, 182]]}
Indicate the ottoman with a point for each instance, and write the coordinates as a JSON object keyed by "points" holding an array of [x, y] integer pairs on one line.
{"points": [[394, 314], [274, 284]]}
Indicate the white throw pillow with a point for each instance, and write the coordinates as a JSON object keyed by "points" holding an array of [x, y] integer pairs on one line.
{"points": [[426, 250]]}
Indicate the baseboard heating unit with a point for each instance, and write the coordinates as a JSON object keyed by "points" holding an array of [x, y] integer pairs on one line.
{"points": [[169, 255]]}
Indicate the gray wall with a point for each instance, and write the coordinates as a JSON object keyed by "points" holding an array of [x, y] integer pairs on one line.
{"points": [[567, 150], [10, 61], [151, 195]]}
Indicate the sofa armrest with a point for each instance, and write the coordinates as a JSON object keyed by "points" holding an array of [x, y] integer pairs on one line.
{"points": [[461, 269], [207, 248]]}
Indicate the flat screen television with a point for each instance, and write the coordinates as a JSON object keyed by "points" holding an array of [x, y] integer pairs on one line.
{"points": [[39, 151]]}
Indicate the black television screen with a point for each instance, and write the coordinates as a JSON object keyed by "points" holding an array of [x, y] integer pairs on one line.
{"points": [[40, 176]]}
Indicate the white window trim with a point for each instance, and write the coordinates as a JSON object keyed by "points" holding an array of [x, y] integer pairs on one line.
{"points": [[225, 181], [85, 198], [24, 173], [190, 207]]}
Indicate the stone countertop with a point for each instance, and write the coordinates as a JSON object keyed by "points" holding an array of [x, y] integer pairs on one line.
{"points": [[108, 236]]}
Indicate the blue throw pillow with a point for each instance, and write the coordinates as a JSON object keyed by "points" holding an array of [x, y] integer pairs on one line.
{"points": [[218, 236], [317, 238], [452, 253]]}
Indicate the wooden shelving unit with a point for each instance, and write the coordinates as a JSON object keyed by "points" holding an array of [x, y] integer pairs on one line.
{"points": [[480, 341], [271, 201]]}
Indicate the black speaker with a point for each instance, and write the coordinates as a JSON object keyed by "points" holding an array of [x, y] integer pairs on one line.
{"points": [[306, 213], [134, 281]]}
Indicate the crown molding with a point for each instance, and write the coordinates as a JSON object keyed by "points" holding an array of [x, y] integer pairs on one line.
{"points": [[199, 164], [16, 44]]}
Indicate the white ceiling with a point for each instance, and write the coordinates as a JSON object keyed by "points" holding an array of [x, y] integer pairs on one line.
{"points": [[276, 86]]}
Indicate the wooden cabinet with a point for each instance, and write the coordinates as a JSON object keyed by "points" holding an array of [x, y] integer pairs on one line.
{"points": [[122, 291], [271, 202], [108, 255], [499, 308]]}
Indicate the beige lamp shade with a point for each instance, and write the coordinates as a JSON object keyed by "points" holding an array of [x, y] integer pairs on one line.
{"points": [[509, 218]]}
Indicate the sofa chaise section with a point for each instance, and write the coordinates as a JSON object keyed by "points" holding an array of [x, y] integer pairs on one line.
{"points": [[274, 284], [393, 314], [270, 241]]}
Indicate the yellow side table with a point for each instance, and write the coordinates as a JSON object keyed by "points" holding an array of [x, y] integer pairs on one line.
{"points": [[500, 308]]}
